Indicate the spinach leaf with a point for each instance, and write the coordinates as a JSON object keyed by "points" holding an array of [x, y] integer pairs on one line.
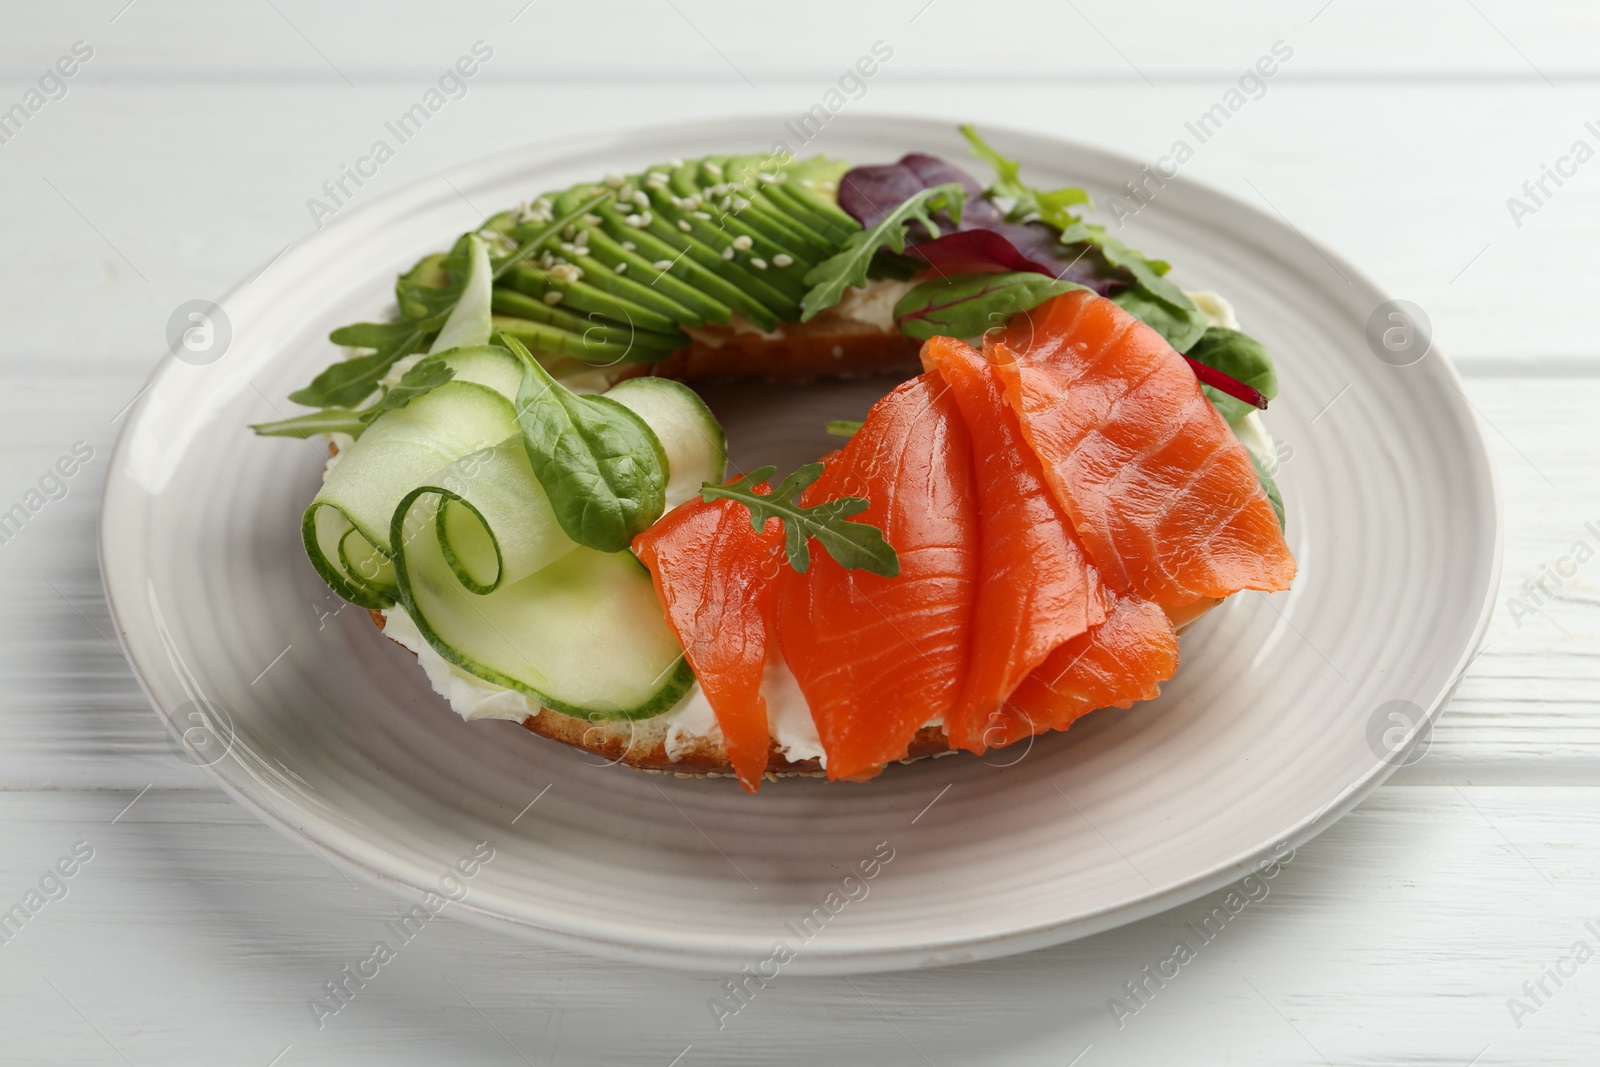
{"points": [[1270, 487], [1238, 355], [1181, 325], [853, 545], [601, 465], [1023, 202], [966, 305], [829, 279]]}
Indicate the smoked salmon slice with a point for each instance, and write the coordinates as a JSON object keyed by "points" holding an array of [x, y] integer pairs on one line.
{"points": [[1163, 496], [715, 577], [1123, 660], [1036, 587], [878, 657]]}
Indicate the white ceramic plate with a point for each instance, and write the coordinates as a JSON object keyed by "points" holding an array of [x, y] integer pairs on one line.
{"points": [[1274, 727]]}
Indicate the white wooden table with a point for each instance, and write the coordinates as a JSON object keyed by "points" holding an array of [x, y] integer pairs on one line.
{"points": [[180, 160]]}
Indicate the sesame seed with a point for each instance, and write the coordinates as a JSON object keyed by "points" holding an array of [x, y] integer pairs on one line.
{"points": [[567, 246], [621, 266], [629, 245], [743, 242], [782, 259], [552, 298], [702, 215], [674, 162], [591, 220], [714, 170], [758, 263], [645, 218], [683, 224], [614, 180], [569, 233], [808, 183], [662, 264], [740, 203], [635, 221], [727, 253], [725, 203], [641, 198]]}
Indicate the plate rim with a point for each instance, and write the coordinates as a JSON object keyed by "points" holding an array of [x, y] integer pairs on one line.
{"points": [[707, 959]]}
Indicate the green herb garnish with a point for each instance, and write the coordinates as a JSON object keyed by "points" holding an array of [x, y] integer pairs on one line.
{"points": [[853, 545], [829, 279], [601, 465], [425, 377], [843, 427], [1023, 202]]}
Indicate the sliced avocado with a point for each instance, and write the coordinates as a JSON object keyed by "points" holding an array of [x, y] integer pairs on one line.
{"points": [[581, 296], [545, 338], [593, 326], [808, 247], [758, 186], [816, 181], [675, 282], [707, 244], [603, 275], [718, 280], [721, 236]]}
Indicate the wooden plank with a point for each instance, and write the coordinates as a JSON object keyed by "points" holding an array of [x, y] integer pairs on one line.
{"points": [[195, 934], [725, 42]]}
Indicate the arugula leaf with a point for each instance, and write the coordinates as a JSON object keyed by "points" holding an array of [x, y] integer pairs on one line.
{"points": [[1023, 202], [1152, 298], [967, 305], [347, 383], [853, 545], [1240, 356], [425, 377], [843, 427], [601, 465], [328, 420], [829, 279]]}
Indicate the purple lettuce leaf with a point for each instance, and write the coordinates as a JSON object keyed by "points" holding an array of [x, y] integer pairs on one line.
{"points": [[868, 194]]}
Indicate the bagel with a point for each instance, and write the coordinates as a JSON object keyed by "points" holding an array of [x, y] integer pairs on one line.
{"points": [[737, 268]]}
